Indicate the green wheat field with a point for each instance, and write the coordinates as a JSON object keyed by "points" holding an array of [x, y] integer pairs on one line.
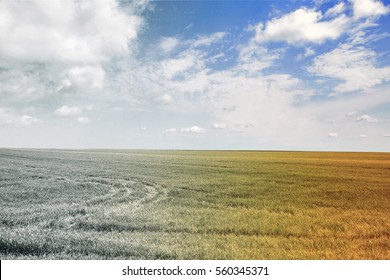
{"points": [[142, 204]]}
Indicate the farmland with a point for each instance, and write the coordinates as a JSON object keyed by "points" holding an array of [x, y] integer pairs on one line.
{"points": [[142, 204]]}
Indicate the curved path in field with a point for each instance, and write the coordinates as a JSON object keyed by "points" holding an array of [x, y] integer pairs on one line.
{"points": [[132, 193], [112, 201]]}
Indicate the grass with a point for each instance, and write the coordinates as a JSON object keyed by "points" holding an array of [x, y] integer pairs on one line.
{"points": [[125, 204]]}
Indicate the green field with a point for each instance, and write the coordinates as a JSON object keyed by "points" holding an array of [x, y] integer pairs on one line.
{"points": [[126, 204]]}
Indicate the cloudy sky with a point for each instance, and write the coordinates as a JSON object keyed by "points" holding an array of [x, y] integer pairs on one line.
{"points": [[292, 75]]}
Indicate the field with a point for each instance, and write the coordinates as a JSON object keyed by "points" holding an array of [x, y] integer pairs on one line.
{"points": [[127, 204]]}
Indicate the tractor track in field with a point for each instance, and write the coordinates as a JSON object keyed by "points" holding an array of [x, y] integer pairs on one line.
{"points": [[119, 195], [133, 193]]}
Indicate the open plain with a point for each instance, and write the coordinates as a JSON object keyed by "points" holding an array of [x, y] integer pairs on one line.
{"points": [[144, 204]]}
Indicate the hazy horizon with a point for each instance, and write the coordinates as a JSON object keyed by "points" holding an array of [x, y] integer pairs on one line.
{"points": [[178, 150], [195, 75]]}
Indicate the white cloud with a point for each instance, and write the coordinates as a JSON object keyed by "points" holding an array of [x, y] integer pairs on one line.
{"points": [[302, 25], [219, 125], [335, 106], [363, 136], [87, 76], [335, 10], [308, 52], [368, 8], [387, 135], [65, 110], [243, 93], [69, 43], [366, 118], [207, 40], [63, 85], [165, 99], [8, 116], [27, 120], [21, 84], [83, 120], [351, 114], [269, 107], [261, 106], [168, 44], [193, 129], [177, 66], [353, 65], [253, 57], [72, 31]]}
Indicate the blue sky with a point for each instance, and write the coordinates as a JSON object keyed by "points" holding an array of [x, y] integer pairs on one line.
{"points": [[280, 75]]}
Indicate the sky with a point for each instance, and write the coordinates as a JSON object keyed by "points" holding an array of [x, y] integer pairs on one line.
{"points": [[246, 75]]}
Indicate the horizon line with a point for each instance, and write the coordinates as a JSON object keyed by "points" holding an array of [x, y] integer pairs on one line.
{"points": [[188, 150]]}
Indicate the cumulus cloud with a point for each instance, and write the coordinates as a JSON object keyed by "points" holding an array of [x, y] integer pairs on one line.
{"points": [[353, 65], [83, 120], [302, 25], [87, 76], [243, 93], [219, 125], [168, 44], [299, 27], [252, 91], [65, 110], [27, 120], [368, 8], [366, 118], [8, 116], [66, 42], [335, 10], [21, 85], [72, 31], [193, 129]]}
